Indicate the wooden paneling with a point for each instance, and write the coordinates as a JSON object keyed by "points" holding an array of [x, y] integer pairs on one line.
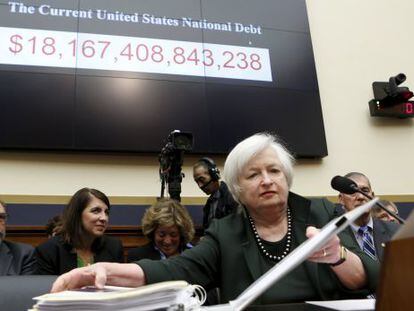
{"points": [[131, 236], [34, 235]]}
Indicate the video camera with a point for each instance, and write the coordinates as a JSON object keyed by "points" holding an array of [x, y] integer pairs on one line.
{"points": [[390, 99], [171, 160], [390, 93]]}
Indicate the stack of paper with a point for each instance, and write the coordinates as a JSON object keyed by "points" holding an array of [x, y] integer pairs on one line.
{"points": [[165, 295]]}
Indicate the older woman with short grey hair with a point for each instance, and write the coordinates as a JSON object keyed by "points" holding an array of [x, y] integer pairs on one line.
{"points": [[242, 153], [239, 248]]}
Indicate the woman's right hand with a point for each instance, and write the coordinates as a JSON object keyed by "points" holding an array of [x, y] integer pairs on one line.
{"points": [[99, 274]]}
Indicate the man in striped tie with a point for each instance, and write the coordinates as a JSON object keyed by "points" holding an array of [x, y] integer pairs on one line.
{"points": [[370, 233]]}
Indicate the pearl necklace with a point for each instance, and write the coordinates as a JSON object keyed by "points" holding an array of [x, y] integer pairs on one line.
{"points": [[265, 252]]}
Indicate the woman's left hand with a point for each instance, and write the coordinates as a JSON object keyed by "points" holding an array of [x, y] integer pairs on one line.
{"points": [[329, 253]]}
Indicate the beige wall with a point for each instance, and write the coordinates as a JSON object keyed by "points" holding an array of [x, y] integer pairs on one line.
{"points": [[355, 43]]}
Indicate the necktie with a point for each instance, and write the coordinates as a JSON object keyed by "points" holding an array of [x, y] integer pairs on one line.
{"points": [[367, 243]]}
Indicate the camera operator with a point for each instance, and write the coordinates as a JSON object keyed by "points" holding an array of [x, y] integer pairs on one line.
{"points": [[171, 160], [221, 202]]}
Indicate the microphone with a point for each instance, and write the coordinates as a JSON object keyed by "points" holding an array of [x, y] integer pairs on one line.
{"points": [[348, 186], [344, 185], [206, 185]]}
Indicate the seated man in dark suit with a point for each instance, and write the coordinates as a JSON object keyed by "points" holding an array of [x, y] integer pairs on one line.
{"points": [[15, 258], [370, 233]]}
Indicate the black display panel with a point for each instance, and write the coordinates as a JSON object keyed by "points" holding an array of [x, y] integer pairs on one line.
{"points": [[121, 75]]}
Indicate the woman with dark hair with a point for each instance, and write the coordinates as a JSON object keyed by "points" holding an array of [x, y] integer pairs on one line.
{"points": [[81, 240], [168, 227]]}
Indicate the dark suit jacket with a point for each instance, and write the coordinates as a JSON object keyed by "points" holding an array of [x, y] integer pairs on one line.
{"points": [[146, 251], [382, 232], [16, 258], [225, 205], [55, 257], [228, 255]]}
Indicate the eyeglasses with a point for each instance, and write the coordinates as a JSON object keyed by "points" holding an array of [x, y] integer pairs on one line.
{"points": [[363, 189], [4, 216]]}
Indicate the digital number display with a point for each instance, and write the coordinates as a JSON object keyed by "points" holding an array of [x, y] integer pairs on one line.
{"points": [[401, 110], [408, 108], [119, 76], [34, 47]]}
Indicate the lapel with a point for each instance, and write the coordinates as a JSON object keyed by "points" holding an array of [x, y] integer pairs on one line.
{"points": [[380, 236], [98, 249], [68, 257], [300, 208], [6, 258], [206, 212], [347, 237], [250, 251]]}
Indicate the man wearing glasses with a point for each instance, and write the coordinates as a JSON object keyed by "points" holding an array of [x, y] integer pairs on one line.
{"points": [[379, 213], [370, 233], [15, 258]]}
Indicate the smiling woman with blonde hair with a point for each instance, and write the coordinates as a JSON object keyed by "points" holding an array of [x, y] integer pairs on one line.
{"points": [[168, 227]]}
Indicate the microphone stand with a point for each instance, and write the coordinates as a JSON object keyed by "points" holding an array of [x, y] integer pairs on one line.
{"points": [[356, 189]]}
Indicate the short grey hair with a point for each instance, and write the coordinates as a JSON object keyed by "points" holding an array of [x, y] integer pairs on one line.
{"points": [[246, 150], [358, 174]]}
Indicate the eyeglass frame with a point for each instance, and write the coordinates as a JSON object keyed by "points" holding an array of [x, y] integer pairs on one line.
{"points": [[365, 190]]}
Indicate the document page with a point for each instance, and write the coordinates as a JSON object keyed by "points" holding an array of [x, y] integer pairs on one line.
{"points": [[346, 305]]}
